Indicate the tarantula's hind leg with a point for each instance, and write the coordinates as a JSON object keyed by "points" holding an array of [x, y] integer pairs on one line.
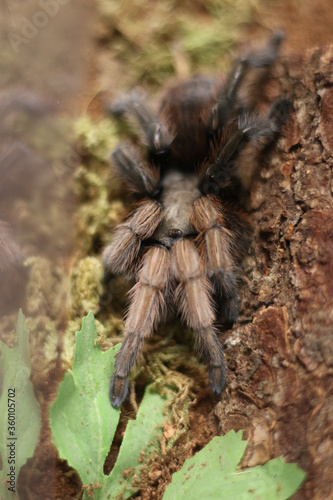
{"points": [[193, 297], [119, 381], [210, 349], [146, 308]]}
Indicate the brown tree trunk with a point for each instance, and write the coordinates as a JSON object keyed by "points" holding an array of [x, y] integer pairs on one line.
{"points": [[281, 356]]}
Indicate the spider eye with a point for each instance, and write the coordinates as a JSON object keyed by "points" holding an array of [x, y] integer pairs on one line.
{"points": [[175, 233]]}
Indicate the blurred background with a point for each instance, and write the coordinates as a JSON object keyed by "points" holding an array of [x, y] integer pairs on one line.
{"points": [[44, 59]]}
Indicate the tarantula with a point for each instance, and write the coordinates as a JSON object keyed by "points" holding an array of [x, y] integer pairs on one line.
{"points": [[183, 241]]}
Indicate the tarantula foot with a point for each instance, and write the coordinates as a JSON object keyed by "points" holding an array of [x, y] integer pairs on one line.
{"points": [[217, 378], [118, 390], [268, 56]]}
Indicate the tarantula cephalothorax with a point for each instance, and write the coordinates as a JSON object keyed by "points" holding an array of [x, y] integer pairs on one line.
{"points": [[183, 241]]}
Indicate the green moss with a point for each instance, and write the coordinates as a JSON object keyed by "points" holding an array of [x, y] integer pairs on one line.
{"points": [[207, 44], [44, 289], [86, 286], [172, 365], [44, 348], [45, 302], [91, 218], [97, 137], [156, 40], [8, 329]]}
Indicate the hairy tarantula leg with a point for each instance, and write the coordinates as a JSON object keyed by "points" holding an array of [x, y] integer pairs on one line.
{"points": [[215, 244], [278, 115], [248, 129], [210, 349], [266, 57], [146, 308], [156, 134], [220, 173], [139, 176], [222, 110], [263, 132], [121, 254], [227, 100], [193, 297]]}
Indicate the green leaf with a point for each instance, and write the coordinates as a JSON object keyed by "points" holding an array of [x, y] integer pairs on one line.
{"points": [[142, 436], [84, 423], [15, 373], [212, 473]]}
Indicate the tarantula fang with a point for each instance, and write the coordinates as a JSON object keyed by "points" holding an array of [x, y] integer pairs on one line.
{"points": [[183, 241]]}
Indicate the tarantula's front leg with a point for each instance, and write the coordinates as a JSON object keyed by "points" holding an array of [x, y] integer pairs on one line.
{"points": [[243, 138], [193, 297], [146, 308], [120, 256], [156, 134], [215, 243], [228, 99], [140, 177]]}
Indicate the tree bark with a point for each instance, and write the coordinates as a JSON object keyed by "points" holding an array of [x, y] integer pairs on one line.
{"points": [[280, 354]]}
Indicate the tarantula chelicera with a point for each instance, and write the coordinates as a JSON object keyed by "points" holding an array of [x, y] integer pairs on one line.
{"points": [[183, 241]]}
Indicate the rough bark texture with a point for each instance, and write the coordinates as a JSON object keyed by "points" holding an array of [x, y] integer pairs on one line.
{"points": [[280, 358]]}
